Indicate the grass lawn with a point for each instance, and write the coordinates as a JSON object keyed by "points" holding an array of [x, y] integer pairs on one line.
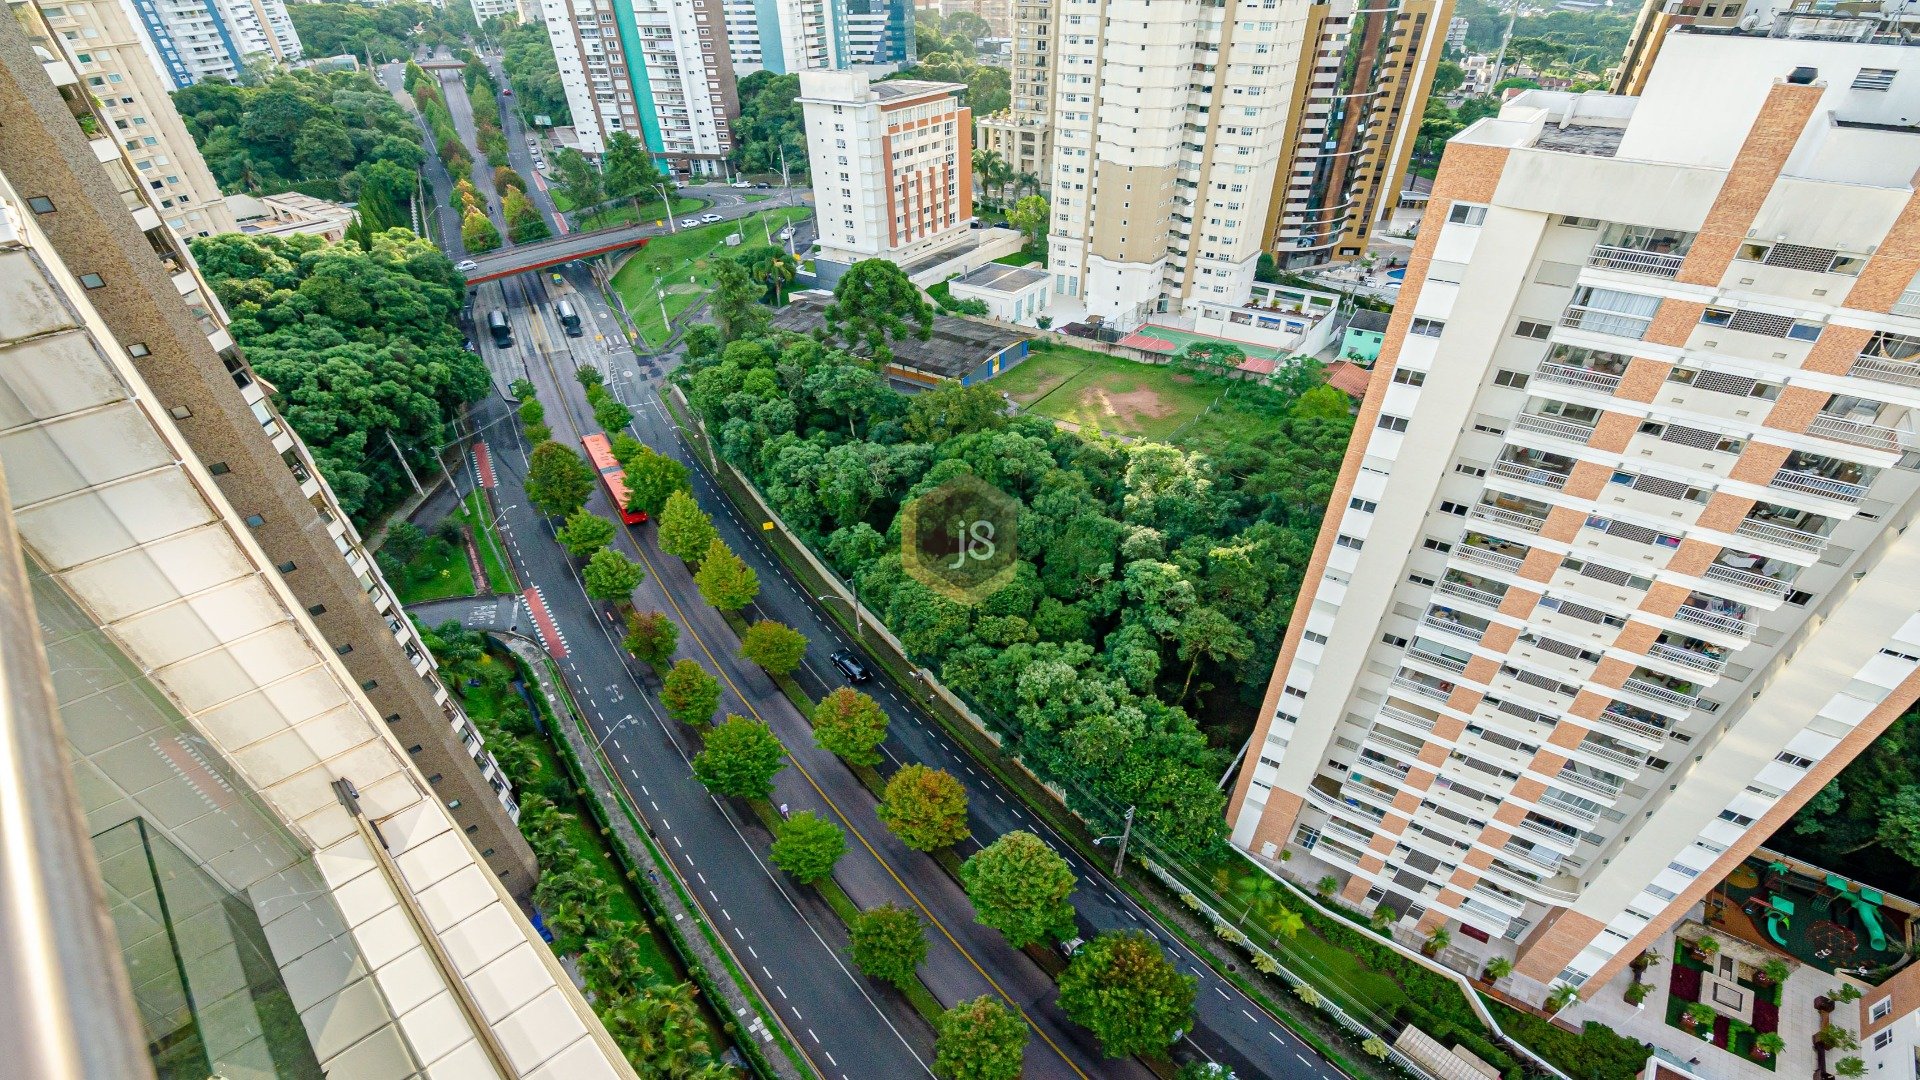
{"points": [[624, 213], [1022, 258], [758, 198], [1095, 390], [679, 263], [440, 572], [499, 582]]}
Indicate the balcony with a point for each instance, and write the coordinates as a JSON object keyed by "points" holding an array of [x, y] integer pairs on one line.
{"points": [[1521, 881], [1542, 829], [1633, 261], [1602, 321], [1554, 427], [1438, 659], [1798, 539], [1470, 594], [1577, 377], [1808, 483], [1673, 692], [1752, 572], [1424, 685], [1448, 621], [1523, 514], [1527, 474], [1491, 552], [1607, 787], [1725, 620], [1635, 722], [1571, 805], [1626, 758], [1908, 304], [1407, 718], [1699, 661]]}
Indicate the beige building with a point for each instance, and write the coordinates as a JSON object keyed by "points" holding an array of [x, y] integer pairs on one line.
{"points": [[1020, 134], [1618, 572], [101, 46], [1356, 110], [308, 858], [1168, 121]]}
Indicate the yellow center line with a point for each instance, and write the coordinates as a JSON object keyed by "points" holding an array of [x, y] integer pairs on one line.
{"points": [[904, 887]]}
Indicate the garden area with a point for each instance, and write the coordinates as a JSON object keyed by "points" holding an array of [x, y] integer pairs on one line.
{"points": [[681, 265], [625, 212], [1739, 1015], [424, 566]]}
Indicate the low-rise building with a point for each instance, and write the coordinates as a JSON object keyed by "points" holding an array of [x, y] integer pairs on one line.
{"points": [[1365, 332], [957, 351], [288, 213], [1014, 294]]}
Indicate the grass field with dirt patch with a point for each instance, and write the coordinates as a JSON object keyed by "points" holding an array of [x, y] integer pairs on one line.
{"points": [[1101, 392]]}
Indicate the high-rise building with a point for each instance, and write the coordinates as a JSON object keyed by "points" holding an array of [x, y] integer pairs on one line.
{"points": [[268, 836], [487, 9], [101, 44], [1020, 134], [1366, 69], [878, 31], [659, 70], [1619, 571], [892, 167], [1168, 121], [190, 40], [784, 36]]}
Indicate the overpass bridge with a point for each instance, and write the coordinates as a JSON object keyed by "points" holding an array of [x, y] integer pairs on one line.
{"points": [[521, 258]]}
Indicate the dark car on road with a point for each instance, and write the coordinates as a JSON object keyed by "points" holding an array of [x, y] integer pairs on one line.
{"points": [[851, 667]]}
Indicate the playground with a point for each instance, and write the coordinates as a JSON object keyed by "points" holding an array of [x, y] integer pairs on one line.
{"points": [[1814, 916]]}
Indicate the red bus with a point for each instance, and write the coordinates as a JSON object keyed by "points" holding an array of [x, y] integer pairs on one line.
{"points": [[600, 454]]}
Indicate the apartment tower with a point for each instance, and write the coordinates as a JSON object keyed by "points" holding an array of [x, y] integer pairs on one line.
{"points": [[190, 40], [101, 45], [658, 70], [299, 844], [1617, 573], [1168, 121], [1020, 134], [1365, 73]]}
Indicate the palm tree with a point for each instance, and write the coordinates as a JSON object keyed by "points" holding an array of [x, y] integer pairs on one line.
{"points": [[611, 965], [1026, 183], [1285, 922], [990, 168]]}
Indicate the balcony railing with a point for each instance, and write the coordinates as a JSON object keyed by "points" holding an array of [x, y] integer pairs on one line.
{"points": [[1460, 630], [1500, 914], [1747, 579], [1726, 624], [1402, 716], [1554, 427], [1661, 693], [1798, 539], [1532, 857], [1880, 369], [1421, 688], [1573, 810], [1601, 321], [1437, 659], [1841, 429], [1607, 753], [1525, 522], [1908, 304], [1685, 657], [1527, 884], [1469, 593], [1534, 827], [1485, 557], [1815, 484], [1632, 261], [1525, 474], [1584, 378], [1587, 783], [1627, 724]]}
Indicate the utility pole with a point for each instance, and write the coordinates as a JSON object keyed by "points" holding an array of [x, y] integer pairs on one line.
{"points": [[783, 166], [1120, 857], [1500, 58], [422, 492]]}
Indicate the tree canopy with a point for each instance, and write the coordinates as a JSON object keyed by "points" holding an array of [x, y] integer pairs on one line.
{"points": [[528, 60], [874, 303], [357, 345], [740, 759], [559, 480], [651, 637], [685, 530], [979, 1040], [689, 694], [1866, 821], [301, 126], [724, 580], [777, 647], [1121, 987], [610, 575], [926, 808], [888, 943], [769, 121], [806, 846], [1020, 887], [851, 725]]}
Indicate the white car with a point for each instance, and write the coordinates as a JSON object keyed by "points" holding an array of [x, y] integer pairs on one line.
{"points": [[709, 218], [690, 223], [465, 265], [739, 183]]}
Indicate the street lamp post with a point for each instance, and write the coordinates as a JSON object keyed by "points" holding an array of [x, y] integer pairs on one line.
{"points": [[618, 724], [859, 624], [666, 203], [1120, 857]]}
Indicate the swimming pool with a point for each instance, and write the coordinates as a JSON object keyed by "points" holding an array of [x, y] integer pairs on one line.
{"points": [[1398, 275]]}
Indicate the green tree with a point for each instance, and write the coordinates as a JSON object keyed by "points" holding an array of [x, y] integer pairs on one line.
{"points": [[558, 480], [979, 1040], [689, 694], [477, 232], [651, 637], [740, 759], [585, 533], [611, 576], [851, 725], [652, 479], [769, 124], [774, 646], [611, 415], [926, 808], [1211, 357], [1031, 216], [735, 299], [725, 581], [888, 943], [806, 846], [685, 529], [1205, 634], [532, 412], [576, 180], [1122, 988], [1020, 887], [629, 170], [524, 221], [1447, 77], [874, 303]]}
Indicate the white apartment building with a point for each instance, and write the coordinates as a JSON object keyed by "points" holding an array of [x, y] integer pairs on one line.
{"points": [[190, 40], [103, 47], [892, 166], [1020, 134], [273, 887], [664, 76], [487, 9], [1618, 572], [1168, 121], [784, 36]]}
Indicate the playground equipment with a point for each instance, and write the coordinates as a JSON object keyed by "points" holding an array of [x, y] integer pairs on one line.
{"points": [[1779, 919], [1866, 905]]}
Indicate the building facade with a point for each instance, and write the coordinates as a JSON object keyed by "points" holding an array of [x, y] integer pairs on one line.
{"points": [[1021, 134], [878, 32], [658, 70], [892, 166], [303, 846], [1617, 574], [190, 40], [488, 9], [1168, 121], [102, 45], [1356, 110]]}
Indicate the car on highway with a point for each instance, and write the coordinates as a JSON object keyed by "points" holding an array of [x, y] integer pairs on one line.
{"points": [[709, 218], [851, 667], [508, 92], [465, 265]]}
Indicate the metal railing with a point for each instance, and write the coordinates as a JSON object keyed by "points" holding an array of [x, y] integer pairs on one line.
{"points": [[1815, 484], [1546, 831], [1460, 630], [1469, 593], [1854, 432], [1526, 884], [1908, 304], [1880, 369], [1420, 688], [1437, 659], [1798, 539], [1554, 427], [1607, 753], [1747, 579], [1660, 693], [1588, 783], [1627, 724], [1686, 657], [1402, 716], [1532, 857], [1634, 261], [1726, 624], [1526, 522], [1572, 810], [1485, 557], [1584, 378], [1526, 474], [1601, 321]]}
